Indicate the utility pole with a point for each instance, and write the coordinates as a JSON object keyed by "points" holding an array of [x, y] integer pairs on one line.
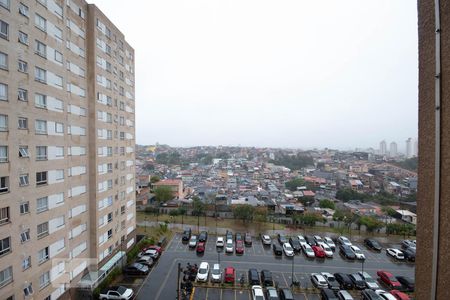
{"points": [[292, 279]]}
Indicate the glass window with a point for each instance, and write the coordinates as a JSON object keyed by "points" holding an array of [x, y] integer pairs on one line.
{"points": [[5, 4], [40, 75], [6, 276], [23, 10], [23, 123], [4, 30], [23, 66], [41, 152], [41, 49], [23, 38], [40, 22], [3, 153], [23, 151], [40, 100], [41, 127], [4, 215], [5, 245], [23, 180], [3, 61], [22, 94], [3, 123], [3, 92], [24, 207], [41, 178]]}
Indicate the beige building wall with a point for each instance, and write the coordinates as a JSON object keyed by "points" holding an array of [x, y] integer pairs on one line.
{"points": [[60, 38]]}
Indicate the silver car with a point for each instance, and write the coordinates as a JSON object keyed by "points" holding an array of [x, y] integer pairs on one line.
{"points": [[370, 282]]}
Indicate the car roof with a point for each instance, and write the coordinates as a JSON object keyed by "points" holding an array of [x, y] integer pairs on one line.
{"points": [[204, 264], [258, 290], [229, 270], [216, 266]]}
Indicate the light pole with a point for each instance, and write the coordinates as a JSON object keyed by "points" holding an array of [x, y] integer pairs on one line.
{"points": [[178, 281], [292, 279], [145, 224]]}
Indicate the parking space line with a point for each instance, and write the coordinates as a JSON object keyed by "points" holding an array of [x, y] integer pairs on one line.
{"points": [[206, 296], [235, 297], [285, 281]]}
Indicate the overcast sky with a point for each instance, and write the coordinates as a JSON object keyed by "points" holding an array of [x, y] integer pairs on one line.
{"points": [[272, 73]]}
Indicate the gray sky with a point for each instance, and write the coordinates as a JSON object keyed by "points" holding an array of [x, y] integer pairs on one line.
{"points": [[272, 73]]}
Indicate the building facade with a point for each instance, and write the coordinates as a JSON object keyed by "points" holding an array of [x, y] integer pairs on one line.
{"points": [[433, 198], [67, 194], [393, 149]]}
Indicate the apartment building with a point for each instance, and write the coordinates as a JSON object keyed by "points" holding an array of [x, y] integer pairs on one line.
{"points": [[67, 138]]}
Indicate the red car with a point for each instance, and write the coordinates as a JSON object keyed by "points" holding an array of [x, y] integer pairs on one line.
{"points": [[318, 251], [154, 247], [388, 279], [201, 247], [400, 295], [239, 247]]}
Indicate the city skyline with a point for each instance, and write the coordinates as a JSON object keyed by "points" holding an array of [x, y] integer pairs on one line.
{"points": [[287, 79]]}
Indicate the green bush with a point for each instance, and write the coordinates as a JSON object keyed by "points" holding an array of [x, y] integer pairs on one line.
{"points": [[133, 253]]}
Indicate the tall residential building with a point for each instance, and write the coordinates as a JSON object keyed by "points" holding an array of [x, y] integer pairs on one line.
{"points": [[416, 148], [409, 148], [393, 149], [67, 190], [383, 147]]}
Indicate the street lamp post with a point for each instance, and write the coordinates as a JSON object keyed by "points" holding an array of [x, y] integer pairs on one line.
{"points": [[178, 281], [292, 279]]}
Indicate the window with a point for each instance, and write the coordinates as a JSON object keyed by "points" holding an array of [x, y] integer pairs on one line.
{"points": [[110, 168], [23, 38], [59, 175], [23, 123], [40, 100], [25, 236], [4, 184], [109, 234], [58, 80], [4, 30], [122, 105], [3, 153], [40, 22], [26, 263], [41, 127], [3, 92], [23, 151], [58, 56], [110, 184], [122, 209], [23, 10], [41, 204], [59, 151], [42, 230], [24, 207], [6, 276], [122, 135], [23, 180], [58, 33], [5, 245], [23, 66], [110, 217], [44, 280], [41, 152], [22, 94], [3, 123], [28, 290], [5, 4], [4, 215], [59, 127], [41, 178], [40, 75], [41, 49], [109, 134], [3, 61], [43, 254], [109, 151]]}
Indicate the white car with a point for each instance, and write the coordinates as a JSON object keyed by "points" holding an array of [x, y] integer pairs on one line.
{"points": [[370, 282], [116, 292], [288, 250], [145, 260], [344, 295], [216, 274], [308, 251], [266, 240], [150, 252], [385, 295], [302, 240], [220, 242], [326, 249], [257, 293], [203, 272], [318, 239], [330, 242], [344, 241], [358, 253], [319, 281], [395, 253], [331, 280], [229, 246], [193, 241]]}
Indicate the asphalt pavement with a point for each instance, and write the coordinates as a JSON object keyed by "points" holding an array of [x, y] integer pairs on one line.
{"points": [[162, 281]]}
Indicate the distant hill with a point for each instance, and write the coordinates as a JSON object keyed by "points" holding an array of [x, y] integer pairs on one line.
{"points": [[408, 164]]}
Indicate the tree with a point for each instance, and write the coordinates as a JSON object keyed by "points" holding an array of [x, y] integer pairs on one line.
{"points": [[260, 214], [198, 207], [308, 219], [154, 179], [294, 183], [293, 162], [389, 211], [163, 194], [243, 212], [326, 203], [371, 223]]}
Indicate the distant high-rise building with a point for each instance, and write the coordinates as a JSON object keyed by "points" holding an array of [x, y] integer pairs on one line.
{"points": [[383, 147], [393, 149], [416, 148], [409, 148], [67, 138]]}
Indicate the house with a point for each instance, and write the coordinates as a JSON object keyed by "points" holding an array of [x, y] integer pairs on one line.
{"points": [[407, 216]]}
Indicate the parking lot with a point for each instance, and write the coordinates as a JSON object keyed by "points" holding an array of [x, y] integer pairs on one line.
{"points": [[162, 281]]}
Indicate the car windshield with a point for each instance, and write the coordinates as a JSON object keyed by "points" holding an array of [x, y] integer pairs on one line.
{"points": [[288, 247], [369, 279], [215, 271], [202, 271], [229, 244], [122, 290], [266, 237], [331, 279], [357, 251], [309, 250], [391, 278], [326, 248], [193, 238]]}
